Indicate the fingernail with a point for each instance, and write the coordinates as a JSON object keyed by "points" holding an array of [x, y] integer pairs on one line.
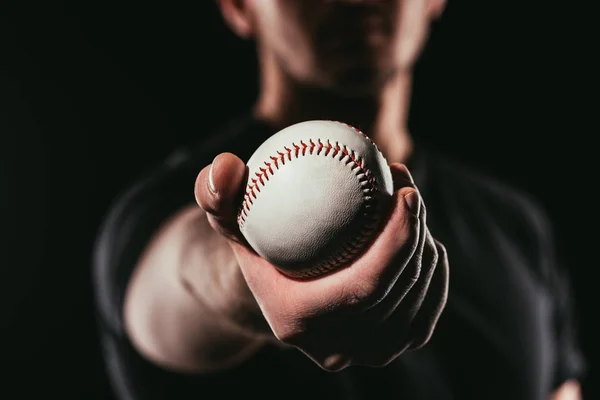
{"points": [[413, 202], [211, 181]]}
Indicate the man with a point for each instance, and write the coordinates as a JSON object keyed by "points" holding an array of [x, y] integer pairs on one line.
{"points": [[188, 310]]}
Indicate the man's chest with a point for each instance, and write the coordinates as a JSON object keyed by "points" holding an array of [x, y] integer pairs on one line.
{"points": [[495, 338]]}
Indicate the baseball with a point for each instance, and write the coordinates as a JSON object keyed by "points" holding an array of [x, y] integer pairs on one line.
{"points": [[313, 198]]}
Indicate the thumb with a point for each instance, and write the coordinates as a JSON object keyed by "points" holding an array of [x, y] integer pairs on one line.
{"points": [[218, 191]]}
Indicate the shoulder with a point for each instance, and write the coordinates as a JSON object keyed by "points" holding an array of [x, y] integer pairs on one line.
{"points": [[503, 224], [490, 209]]}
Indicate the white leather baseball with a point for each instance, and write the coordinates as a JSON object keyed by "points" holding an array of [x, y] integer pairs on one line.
{"points": [[313, 197]]}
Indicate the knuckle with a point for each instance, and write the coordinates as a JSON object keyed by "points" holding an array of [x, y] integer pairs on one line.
{"points": [[410, 243], [412, 272], [219, 201], [435, 256], [442, 251], [390, 358], [423, 211], [367, 294], [422, 337], [287, 332], [336, 363], [384, 351], [415, 270], [421, 334], [409, 230]]}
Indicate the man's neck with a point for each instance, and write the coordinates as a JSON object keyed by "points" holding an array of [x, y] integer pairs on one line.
{"points": [[383, 117]]}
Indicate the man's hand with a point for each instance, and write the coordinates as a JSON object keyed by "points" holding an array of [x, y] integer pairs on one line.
{"points": [[386, 302]]}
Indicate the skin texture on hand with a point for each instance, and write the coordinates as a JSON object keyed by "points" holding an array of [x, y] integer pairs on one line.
{"points": [[386, 302]]}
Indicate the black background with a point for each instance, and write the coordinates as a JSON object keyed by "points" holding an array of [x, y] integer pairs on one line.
{"points": [[92, 93]]}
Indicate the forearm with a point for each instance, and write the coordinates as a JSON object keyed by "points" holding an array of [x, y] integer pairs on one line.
{"points": [[175, 312]]}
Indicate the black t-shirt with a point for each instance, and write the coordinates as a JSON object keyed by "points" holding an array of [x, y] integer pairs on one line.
{"points": [[506, 333]]}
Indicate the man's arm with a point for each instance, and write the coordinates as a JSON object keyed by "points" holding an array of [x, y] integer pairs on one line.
{"points": [[183, 328], [396, 290]]}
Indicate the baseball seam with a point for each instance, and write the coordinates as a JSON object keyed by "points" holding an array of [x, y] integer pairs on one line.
{"points": [[335, 151]]}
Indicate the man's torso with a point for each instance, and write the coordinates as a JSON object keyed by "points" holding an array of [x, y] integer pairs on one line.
{"points": [[493, 341]]}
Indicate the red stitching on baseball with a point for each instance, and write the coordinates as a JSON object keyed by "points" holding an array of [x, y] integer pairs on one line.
{"points": [[363, 173]]}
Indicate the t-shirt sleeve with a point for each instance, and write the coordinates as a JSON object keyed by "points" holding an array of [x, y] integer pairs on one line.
{"points": [[570, 359], [531, 229], [571, 362]]}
